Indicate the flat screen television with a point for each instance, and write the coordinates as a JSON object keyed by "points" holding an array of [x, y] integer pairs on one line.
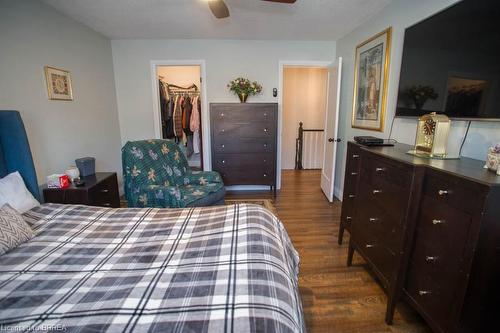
{"points": [[451, 63]]}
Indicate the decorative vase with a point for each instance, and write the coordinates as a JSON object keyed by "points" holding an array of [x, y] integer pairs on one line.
{"points": [[243, 97]]}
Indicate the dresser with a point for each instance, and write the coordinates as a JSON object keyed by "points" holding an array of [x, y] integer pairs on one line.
{"points": [[244, 142], [429, 230], [100, 189]]}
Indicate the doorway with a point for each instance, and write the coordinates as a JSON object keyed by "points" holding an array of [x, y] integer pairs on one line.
{"points": [[310, 91], [180, 109], [304, 106]]}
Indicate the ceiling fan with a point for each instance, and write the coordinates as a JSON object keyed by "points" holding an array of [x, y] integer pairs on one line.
{"points": [[220, 10]]}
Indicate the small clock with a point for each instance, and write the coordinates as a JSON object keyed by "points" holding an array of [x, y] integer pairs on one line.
{"points": [[432, 135]]}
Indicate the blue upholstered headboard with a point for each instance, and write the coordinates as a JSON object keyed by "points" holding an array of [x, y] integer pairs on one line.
{"points": [[15, 153]]}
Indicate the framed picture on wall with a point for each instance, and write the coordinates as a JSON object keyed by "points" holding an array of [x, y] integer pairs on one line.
{"points": [[371, 69], [58, 84]]}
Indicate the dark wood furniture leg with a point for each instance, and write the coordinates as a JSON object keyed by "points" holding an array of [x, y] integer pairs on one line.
{"points": [[350, 254], [341, 232]]}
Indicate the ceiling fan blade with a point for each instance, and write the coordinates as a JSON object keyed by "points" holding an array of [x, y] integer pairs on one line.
{"points": [[281, 1], [218, 8]]}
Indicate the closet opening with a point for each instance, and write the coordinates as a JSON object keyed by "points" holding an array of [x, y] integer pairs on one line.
{"points": [[180, 109], [305, 90]]}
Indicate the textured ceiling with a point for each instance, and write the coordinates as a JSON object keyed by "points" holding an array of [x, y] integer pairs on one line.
{"points": [[250, 19]]}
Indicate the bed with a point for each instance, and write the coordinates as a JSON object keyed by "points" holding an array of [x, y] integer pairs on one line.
{"points": [[212, 269]]}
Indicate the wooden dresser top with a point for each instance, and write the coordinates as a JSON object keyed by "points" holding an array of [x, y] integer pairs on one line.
{"points": [[464, 167]]}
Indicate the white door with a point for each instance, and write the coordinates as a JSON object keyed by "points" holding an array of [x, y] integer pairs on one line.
{"points": [[331, 128]]}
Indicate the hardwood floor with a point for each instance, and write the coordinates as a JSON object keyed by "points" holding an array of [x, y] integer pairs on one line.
{"points": [[335, 298]]}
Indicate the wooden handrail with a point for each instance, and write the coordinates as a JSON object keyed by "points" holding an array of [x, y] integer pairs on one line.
{"points": [[299, 145]]}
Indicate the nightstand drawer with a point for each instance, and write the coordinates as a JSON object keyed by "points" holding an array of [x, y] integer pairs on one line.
{"points": [[105, 193]]}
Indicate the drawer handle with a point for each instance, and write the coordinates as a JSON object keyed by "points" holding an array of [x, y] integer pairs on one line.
{"points": [[352, 196], [369, 246], [222, 130], [348, 218], [380, 169], [222, 114], [424, 292], [265, 145], [377, 191], [223, 161], [444, 192], [107, 204], [354, 173], [430, 258], [265, 161], [355, 156], [223, 146], [438, 222], [373, 219], [105, 191], [265, 114], [265, 130], [265, 175]]}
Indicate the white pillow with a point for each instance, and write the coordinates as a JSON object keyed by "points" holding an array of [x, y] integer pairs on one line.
{"points": [[13, 191]]}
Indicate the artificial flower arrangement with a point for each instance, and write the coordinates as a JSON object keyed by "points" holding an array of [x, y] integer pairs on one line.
{"points": [[493, 159], [244, 87]]}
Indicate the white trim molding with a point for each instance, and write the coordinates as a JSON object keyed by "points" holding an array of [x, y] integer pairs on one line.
{"points": [[281, 66], [205, 124]]}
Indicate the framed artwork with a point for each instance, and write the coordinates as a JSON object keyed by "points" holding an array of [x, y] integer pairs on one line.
{"points": [[371, 70], [58, 84]]}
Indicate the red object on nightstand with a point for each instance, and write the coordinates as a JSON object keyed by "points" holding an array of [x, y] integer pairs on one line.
{"points": [[64, 181]]}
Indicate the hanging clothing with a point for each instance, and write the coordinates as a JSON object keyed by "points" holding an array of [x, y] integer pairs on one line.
{"points": [[169, 129], [194, 123], [178, 116], [196, 142], [163, 108], [187, 109]]}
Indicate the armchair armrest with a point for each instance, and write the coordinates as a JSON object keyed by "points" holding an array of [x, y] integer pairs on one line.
{"points": [[202, 177]]}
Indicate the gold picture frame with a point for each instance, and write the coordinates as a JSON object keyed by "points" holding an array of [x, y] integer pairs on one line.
{"points": [[58, 84], [371, 71]]}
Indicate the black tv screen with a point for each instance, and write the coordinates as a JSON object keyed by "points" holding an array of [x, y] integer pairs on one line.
{"points": [[451, 63]]}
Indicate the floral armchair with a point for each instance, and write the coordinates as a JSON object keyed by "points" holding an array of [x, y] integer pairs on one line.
{"points": [[156, 174]]}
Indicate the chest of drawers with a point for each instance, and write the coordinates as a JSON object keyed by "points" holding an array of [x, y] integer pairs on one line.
{"points": [[244, 140], [430, 230]]}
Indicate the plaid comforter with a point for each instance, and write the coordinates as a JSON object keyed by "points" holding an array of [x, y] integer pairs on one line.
{"points": [[213, 269]]}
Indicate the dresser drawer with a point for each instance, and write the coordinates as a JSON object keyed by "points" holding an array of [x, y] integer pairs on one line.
{"points": [[247, 145], [105, 193], [263, 162], [381, 258], [378, 168], [372, 219], [253, 112], [353, 159], [454, 191], [226, 131], [393, 199], [432, 300], [238, 176]]}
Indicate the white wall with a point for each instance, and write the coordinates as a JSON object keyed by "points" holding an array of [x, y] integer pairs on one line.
{"points": [[399, 14], [304, 100], [182, 76], [33, 35], [225, 60]]}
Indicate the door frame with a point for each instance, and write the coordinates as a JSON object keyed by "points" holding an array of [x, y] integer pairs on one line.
{"points": [[205, 126], [282, 64]]}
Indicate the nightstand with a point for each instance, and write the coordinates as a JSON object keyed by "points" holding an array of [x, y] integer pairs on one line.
{"points": [[100, 189]]}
